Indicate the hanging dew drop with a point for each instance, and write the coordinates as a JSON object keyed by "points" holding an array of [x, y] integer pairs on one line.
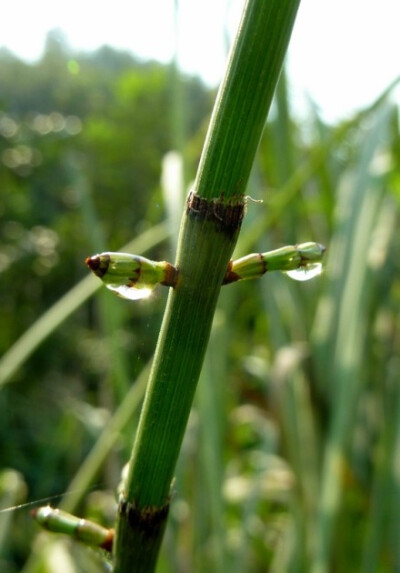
{"points": [[305, 273], [130, 293]]}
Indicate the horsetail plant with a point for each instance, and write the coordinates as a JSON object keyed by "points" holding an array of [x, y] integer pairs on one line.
{"points": [[209, 230]]}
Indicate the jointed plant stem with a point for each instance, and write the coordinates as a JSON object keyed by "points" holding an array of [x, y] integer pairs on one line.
{"points": [[209, 231], [180, 350]]}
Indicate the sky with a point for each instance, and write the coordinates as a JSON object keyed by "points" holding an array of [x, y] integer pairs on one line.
{"points": [[343, 53]]}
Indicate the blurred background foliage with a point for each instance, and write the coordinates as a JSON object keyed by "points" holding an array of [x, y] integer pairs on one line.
{"points": [[291, 458]]}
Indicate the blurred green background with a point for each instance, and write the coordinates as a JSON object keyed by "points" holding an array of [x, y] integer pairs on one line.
{"points": [[291, 459]]}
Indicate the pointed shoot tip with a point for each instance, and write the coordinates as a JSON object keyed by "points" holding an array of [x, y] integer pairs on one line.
{"points": [[93, 263]]}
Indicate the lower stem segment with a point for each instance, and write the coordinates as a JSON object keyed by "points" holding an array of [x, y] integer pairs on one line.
{"points": [[208, 236]]}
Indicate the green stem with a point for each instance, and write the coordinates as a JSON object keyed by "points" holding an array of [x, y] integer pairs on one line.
{"points": [[244, 97], [209, 231], [177, 365]]}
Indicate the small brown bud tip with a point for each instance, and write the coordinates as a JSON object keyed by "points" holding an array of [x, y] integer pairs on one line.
{"points": [[93, 263], [33, 513], [98, 264]]}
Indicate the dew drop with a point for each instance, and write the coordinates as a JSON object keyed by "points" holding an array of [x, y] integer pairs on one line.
{"points": [[130, 293], [305, 273]]}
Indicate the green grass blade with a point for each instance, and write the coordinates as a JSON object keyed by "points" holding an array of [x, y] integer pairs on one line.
{"points": [[359, 205], [104, 444]]}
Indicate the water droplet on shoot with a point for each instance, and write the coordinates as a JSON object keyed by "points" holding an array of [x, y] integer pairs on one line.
{"points": [[305, 273], [130, 293]]}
